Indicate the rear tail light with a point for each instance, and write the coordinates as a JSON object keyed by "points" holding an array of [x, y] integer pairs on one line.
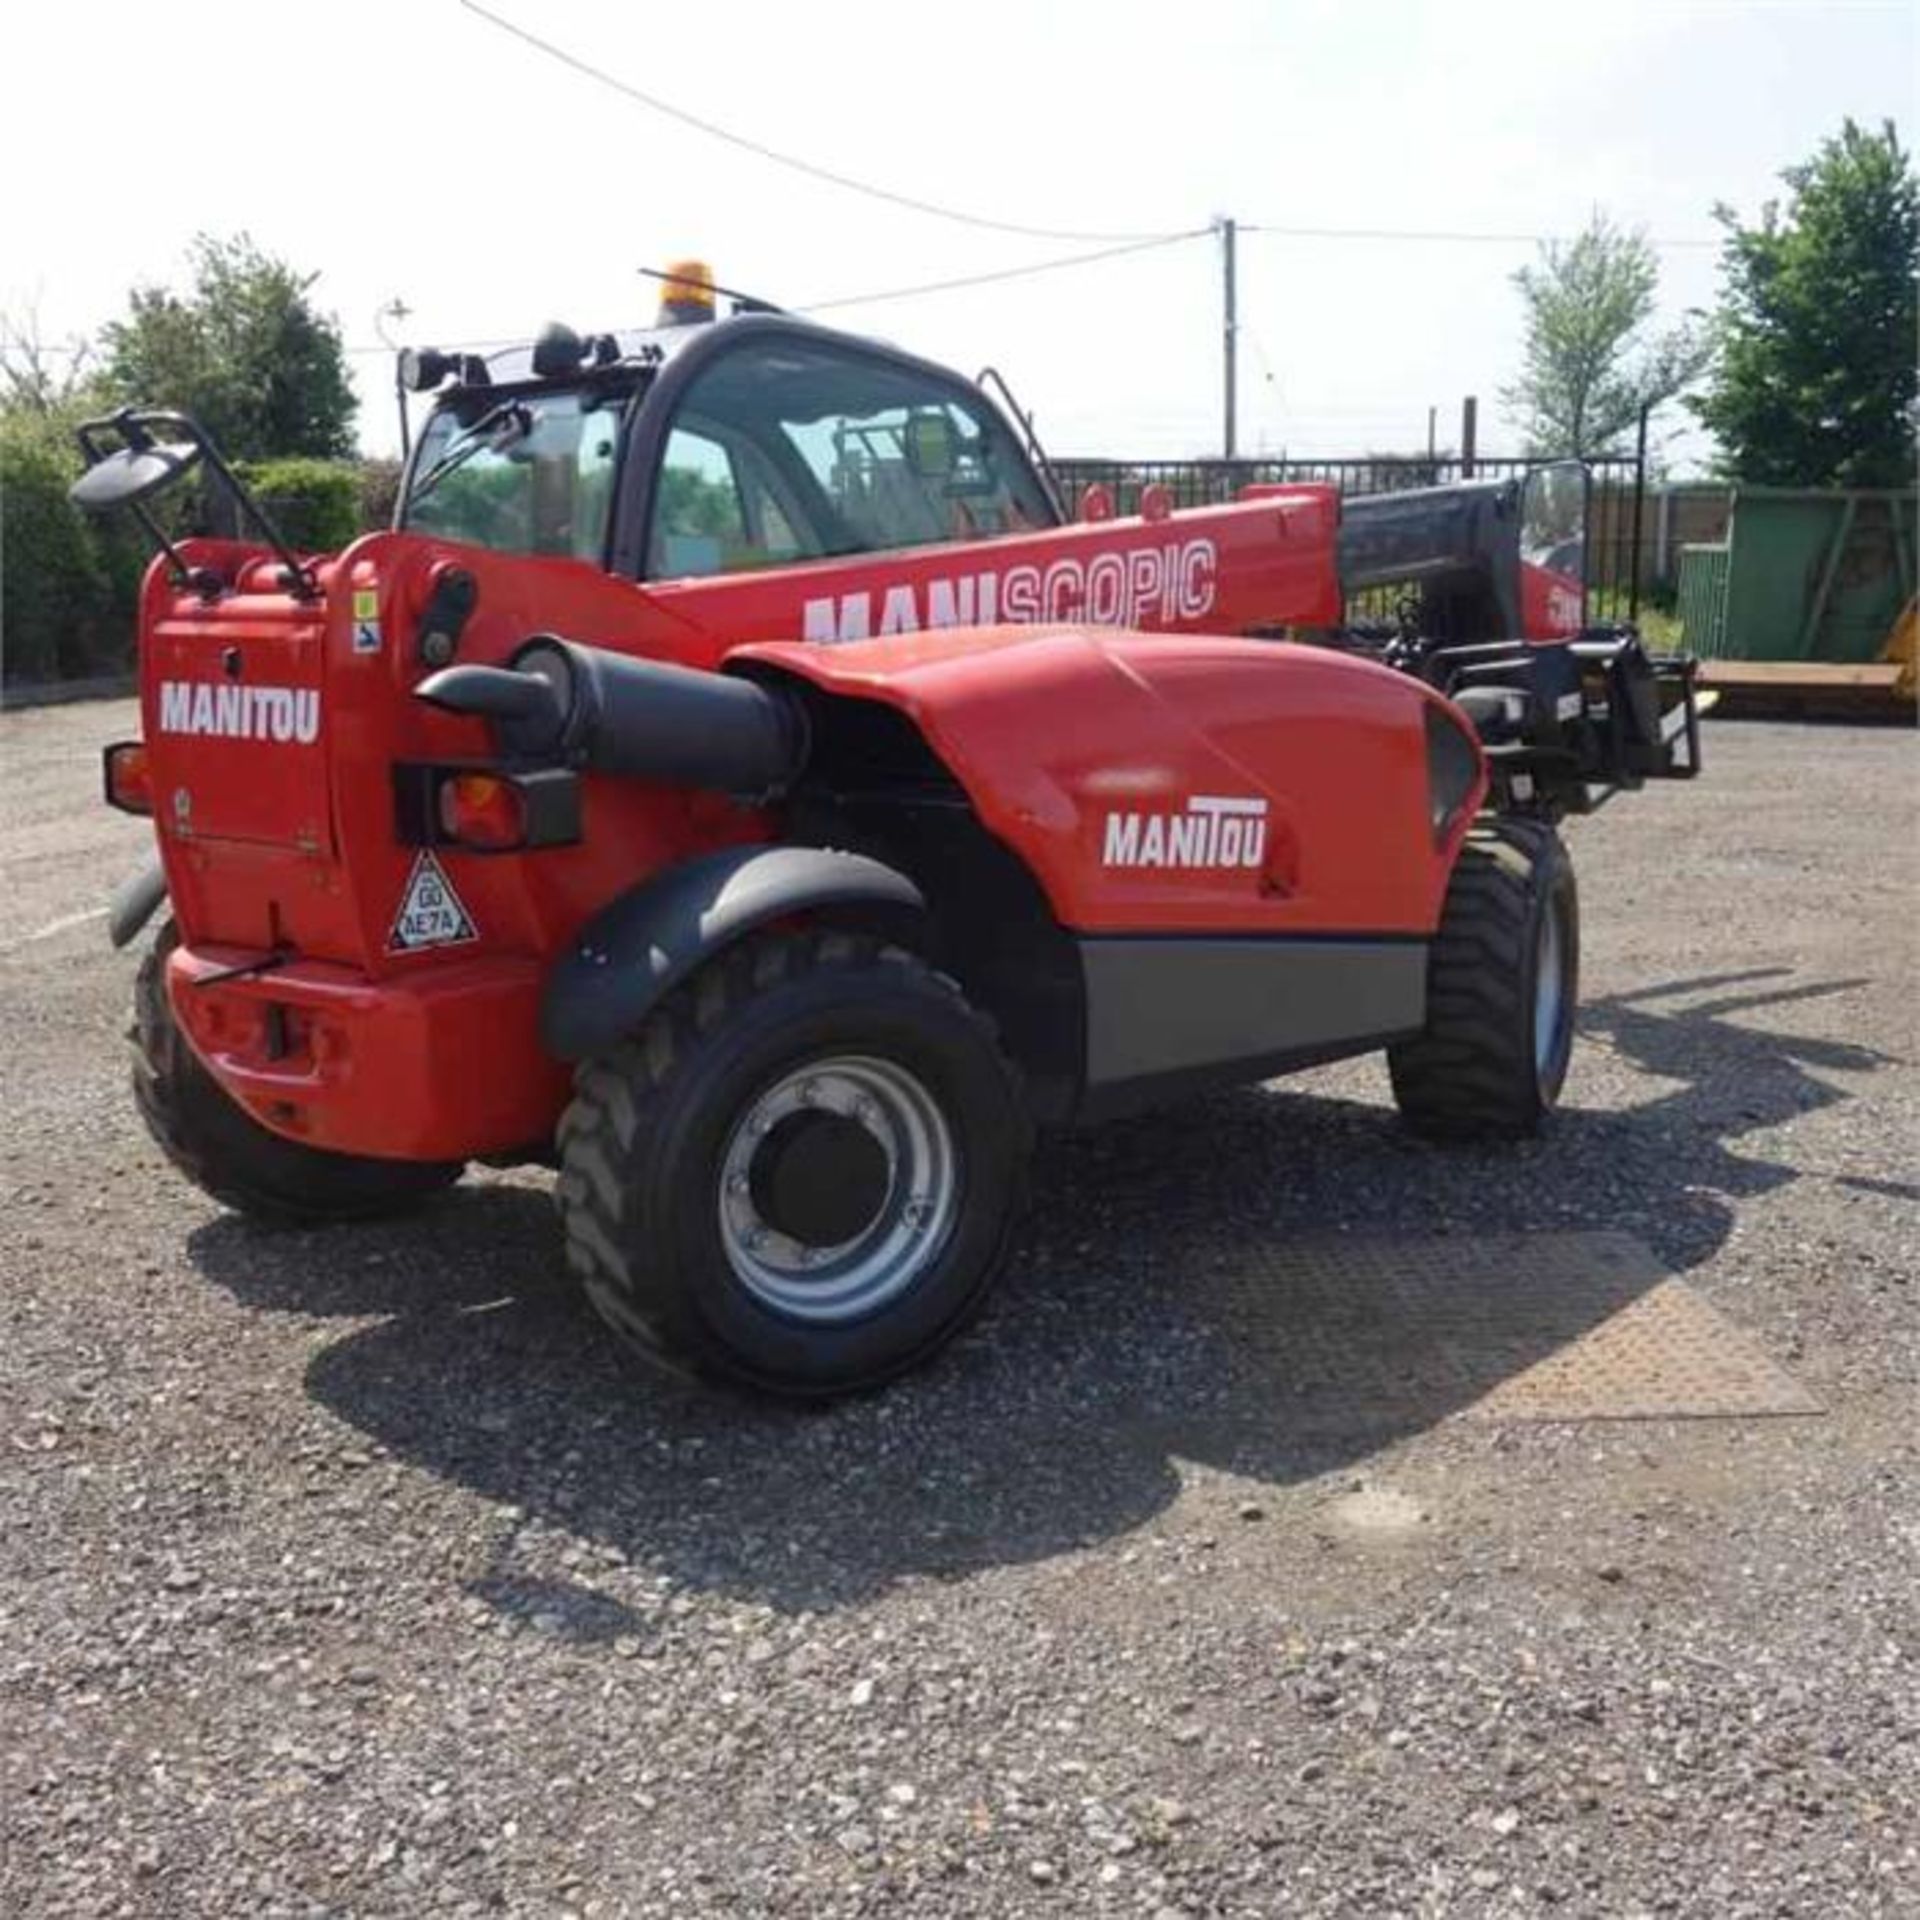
{"points": [[482, 810], [128, 776]]}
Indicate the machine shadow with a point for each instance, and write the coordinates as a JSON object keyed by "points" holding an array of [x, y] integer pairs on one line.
{"points": [[1118, 1346]]}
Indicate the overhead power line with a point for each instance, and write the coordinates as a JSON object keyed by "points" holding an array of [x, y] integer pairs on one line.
{"points": [[1449, 237], [448, 346], [1005, 273], [813, 169], [1056, 265]]}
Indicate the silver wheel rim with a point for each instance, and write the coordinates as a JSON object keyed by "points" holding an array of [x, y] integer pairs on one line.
{"points": [[1549, 994], [887, 1256]]}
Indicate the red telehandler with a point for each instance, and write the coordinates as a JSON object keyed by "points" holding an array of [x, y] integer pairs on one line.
{"points": [[735, 781]]}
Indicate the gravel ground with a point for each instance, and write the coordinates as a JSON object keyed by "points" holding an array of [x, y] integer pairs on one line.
{"points": [[349, 1573]]}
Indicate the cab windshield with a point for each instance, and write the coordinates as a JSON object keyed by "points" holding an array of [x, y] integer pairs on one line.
{"points": [[548, 490]]}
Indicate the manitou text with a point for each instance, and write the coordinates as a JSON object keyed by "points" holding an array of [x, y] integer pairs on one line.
{"points": [[1214, 830], [240, 713]]}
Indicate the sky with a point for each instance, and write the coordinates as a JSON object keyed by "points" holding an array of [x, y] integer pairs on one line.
{"points": [[410, 150]]}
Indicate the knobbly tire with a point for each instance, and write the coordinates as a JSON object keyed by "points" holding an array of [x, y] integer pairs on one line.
{"points": [[1502, 986], [229, 1155], [801, 1175]]}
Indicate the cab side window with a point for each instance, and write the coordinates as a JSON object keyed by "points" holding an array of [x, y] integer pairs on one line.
{"points": [[786, 451], [715, 509], [696, 511], [911, 473]]}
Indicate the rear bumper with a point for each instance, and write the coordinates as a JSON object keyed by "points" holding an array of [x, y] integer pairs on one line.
{"points": [[444, 1063]]}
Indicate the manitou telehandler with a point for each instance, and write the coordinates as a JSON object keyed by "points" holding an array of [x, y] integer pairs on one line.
{"points": [[735, 781]]}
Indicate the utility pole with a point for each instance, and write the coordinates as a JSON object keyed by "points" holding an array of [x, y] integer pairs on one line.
{"points": [[1433, 416], [1229, 334], [1469, 434]]}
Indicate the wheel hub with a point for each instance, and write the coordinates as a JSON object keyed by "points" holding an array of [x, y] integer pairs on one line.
{"points": [[839, 1186], [818, 1177]]}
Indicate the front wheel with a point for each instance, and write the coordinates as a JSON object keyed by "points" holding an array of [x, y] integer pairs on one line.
{"points": [[1503, 979], [801, 1174]]}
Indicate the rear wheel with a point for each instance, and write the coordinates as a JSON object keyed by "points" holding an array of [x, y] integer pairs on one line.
{"points": [[228, 1154], [1502, 985], [801, 1174]]}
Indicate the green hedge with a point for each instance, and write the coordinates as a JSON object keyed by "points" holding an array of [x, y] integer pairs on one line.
{"points": [[67, 585], [379, 489], [315, 503]]}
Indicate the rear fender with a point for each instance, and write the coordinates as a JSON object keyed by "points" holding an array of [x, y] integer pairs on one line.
{"points": [[637, 949]]}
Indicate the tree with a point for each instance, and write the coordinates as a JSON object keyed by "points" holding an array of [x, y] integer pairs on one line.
{"points": [[1815, 383], [1592, 359], [246, 353], [66, 582], [42, 381]]}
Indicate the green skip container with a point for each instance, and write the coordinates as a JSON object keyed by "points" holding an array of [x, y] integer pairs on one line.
{"points": [[1800, 576]]}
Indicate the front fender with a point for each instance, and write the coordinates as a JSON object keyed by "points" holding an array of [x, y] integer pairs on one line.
{"points": [[638, 948]]}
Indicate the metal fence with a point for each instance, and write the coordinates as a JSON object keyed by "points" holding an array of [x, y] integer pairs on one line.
{"points": [[1613, 501]]}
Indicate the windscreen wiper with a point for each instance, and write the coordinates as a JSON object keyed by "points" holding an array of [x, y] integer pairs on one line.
{"points": [[499, 428]]}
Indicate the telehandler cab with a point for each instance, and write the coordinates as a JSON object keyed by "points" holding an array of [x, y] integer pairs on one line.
{"points": [[734, 781]]}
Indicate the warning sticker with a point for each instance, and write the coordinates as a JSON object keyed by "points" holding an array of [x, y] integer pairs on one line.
{"points": [[430, 911], [366, 619]]}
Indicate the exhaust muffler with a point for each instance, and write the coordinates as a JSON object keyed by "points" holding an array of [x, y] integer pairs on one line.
{"points": [[557, 700]]}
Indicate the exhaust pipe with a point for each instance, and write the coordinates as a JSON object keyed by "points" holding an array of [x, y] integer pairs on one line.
{"points": [[610, 713]]}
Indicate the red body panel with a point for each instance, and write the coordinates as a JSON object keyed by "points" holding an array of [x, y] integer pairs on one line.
{"points": [[442, 1065], [1216, 570], [274, 726], [1551, 603], [271, 842], [1056, 733]]}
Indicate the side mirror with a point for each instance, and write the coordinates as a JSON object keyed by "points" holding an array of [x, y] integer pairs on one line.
{"points": [[132, 474], [137, 469]]}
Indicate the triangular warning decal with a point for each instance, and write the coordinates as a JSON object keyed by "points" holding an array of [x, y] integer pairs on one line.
{"points": [[430, 911]]}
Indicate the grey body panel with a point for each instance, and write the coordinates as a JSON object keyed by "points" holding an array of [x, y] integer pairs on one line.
{"points": [[1170, 1013], [135, 901], [637, 949]]}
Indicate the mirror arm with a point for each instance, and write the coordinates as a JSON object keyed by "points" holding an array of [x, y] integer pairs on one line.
{"points": [[183, 575], [177, 568], [300, 579], [132, 424]]}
